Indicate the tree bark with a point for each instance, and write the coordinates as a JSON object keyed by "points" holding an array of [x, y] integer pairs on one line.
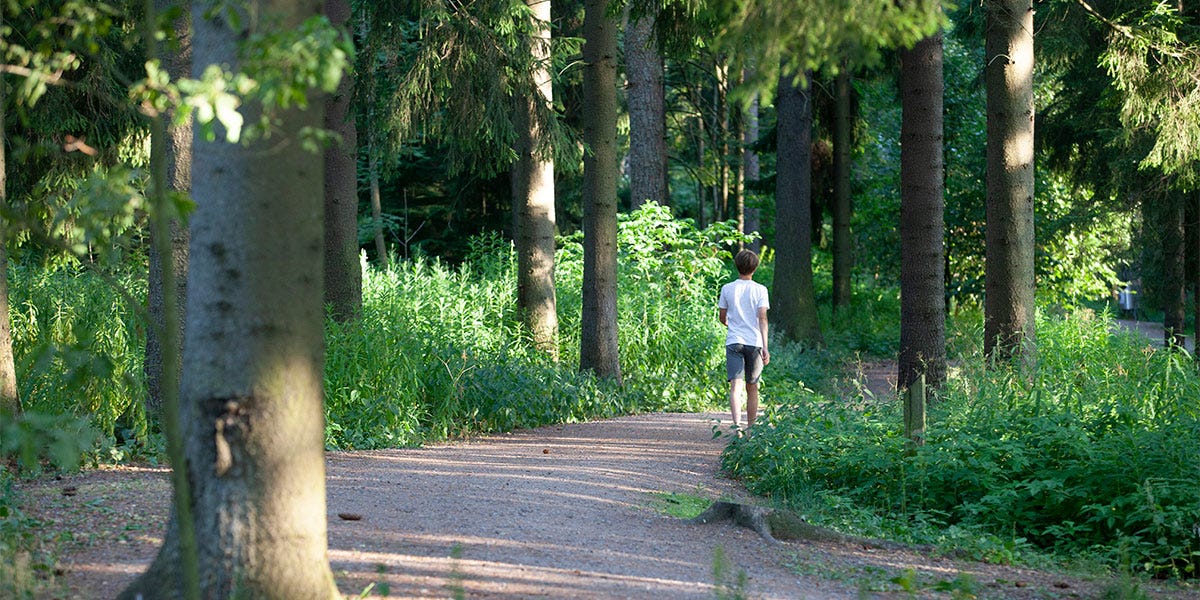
{"points": [[1196, 276], [343, 274], [1174, 278], [177, 157], [598, 338], [1009, 254], [751, 171], [843, 259], [922, 222], [10, 399], [381, 250], [251, 388], [533, 196], [647, 112], [701, 159], [721, 140], [794, 305]]}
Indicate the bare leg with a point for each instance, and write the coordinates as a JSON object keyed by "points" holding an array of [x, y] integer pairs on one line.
{"points": [[735, 400], [751, 404]]}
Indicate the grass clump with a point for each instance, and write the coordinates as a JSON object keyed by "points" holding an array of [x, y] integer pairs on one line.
{"points": [[1090, 453]]}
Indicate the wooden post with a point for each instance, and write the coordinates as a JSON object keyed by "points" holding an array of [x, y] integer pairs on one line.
{"points": [[914, 411]]}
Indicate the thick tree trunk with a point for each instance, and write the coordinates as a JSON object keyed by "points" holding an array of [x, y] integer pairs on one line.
{"points": [[843, 259], [10, 399], [252, 374], [793, 303], [533, 197], [647, 112], [343, 274], [1009, 255], [1174, 278], [751, 171], [598, 339], [177, 157], [922, 225]]}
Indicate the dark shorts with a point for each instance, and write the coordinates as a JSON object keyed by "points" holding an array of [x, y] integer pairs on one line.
{"points": [[743, 362]]}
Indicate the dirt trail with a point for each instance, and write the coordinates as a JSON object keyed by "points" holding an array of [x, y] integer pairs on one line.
{"points": [[557, 512]]}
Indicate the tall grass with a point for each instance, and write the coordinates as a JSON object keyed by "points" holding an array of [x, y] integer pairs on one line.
{"points": [[440, 352], [78, 349], [1091, 452]]}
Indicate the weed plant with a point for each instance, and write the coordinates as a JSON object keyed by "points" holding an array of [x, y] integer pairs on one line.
{"points": [[440, 352], [1092, 452], [79, 353]]}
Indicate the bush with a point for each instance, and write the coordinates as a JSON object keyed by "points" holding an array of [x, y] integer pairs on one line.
{"points": [[1091, 452]]}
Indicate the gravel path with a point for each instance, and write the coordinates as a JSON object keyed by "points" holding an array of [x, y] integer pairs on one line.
{"points": [[558, 512]]}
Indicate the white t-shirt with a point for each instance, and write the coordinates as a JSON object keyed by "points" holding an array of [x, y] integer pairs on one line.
{"points": [[741, 299]]}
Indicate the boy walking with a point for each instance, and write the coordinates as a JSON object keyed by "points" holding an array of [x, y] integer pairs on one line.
{"points": [[742, 308]]}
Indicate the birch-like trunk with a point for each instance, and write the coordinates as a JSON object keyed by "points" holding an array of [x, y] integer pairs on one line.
{"points": [[10, 399], [533, 196]]}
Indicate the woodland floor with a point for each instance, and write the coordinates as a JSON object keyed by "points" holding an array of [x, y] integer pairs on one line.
{"points": [[566, 511]]}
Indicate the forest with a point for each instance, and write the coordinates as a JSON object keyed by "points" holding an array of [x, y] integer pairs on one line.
{"points": [[237, 235]]}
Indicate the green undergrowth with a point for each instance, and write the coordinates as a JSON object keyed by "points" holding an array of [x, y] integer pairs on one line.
{"points": [[1091, 455], [78, 349], [440, 352]]}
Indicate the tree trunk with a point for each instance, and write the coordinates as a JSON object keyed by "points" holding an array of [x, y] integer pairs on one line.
{"points": [[701, 157], [794, 305], [739, 180], [1196, 276], [1009, 255], [647, 116], [10, 399], [177, 158], [1174, 278], [751, 171], [533, 196], [343, 274], [252, 373], [843, 259], [598, 338], [721, 141], [922, 224], [381, 250]]}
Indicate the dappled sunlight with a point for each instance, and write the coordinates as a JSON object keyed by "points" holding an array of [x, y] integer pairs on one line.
{"points": [[430, 566]]}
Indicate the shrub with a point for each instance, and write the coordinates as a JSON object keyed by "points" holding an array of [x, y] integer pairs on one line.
{"points": [[1092, 451]]}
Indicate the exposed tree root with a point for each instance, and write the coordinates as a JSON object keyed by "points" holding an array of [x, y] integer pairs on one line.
{"points": [[775, 524]]}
